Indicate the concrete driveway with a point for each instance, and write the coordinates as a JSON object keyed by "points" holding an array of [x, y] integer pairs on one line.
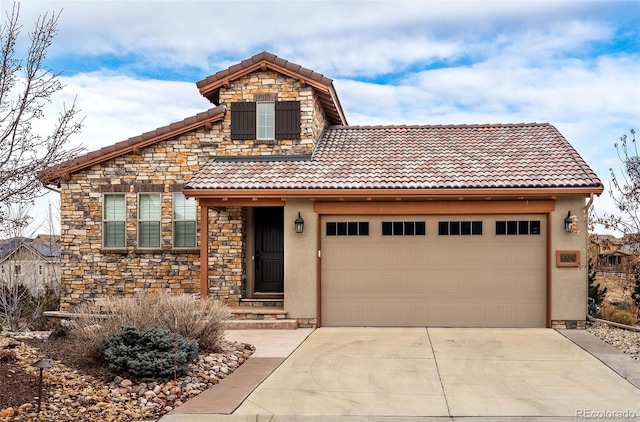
{"points": [[414, 373], [440, 372]]}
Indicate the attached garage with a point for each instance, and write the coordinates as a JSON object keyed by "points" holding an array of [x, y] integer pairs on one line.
{"points": [[434, 270]]}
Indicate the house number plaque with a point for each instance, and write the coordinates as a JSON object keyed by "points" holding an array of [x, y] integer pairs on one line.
{"points": [[567, 258]]}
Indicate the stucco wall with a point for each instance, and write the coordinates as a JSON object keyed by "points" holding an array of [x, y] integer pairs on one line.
{"points": [[301, 249], [569, 284]]}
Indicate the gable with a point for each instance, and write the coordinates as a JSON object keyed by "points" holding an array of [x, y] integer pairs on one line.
{"points": [[211, 86]]}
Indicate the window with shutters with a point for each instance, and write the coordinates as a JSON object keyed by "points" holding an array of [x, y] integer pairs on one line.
{"points": [[265, 120]]}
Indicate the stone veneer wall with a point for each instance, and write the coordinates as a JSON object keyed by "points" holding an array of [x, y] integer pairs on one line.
{"points": [[89, 272], [312, 118]]}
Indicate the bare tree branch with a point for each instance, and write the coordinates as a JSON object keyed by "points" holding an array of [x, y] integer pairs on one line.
{"points": [[26, 87]]}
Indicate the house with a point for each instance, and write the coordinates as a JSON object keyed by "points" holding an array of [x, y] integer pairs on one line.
{"points": [[33, 263], [613, 254], [271, 199]]}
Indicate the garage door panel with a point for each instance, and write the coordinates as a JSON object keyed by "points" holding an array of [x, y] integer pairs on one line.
{"points": [[473, 281]]}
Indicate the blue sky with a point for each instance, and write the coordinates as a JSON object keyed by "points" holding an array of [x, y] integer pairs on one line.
{"points": [[575, 64]]}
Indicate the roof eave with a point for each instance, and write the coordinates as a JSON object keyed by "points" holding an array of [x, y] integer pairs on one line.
{"points": [[210, 90], [408, 194], [54, 175]]}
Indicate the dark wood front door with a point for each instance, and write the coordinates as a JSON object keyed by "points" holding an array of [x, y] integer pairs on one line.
{"points": [[269, 250]]}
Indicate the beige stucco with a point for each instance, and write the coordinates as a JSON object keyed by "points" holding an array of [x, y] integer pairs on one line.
{"points": [[568, 284], [300, 269]]}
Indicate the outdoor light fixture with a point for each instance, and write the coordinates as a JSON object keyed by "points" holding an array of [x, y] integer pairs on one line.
{"points": [[299, 223], [568, 222], [42, 364]]}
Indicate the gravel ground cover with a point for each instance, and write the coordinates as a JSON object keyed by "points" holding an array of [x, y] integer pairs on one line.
{"points": [[626, 341], [77, 390]]}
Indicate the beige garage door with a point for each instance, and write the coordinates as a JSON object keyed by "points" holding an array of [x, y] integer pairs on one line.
{"points": [[448, 271]]}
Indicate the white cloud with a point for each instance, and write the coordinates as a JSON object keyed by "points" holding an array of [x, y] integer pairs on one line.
{"points": [[411, 62]]}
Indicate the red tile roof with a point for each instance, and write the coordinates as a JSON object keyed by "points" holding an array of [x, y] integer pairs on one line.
{"points": [[415, 157]]}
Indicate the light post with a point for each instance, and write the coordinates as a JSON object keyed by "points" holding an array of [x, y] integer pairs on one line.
{"points": [[42, 364]]}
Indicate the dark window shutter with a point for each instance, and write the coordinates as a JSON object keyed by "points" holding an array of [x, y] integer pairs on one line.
{"points": [[287, 119], [243, 120]]}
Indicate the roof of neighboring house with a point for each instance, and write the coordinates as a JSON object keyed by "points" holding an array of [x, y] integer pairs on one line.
{"points": [[47, 246], [210, 86], [52, 175], [530, 155]]}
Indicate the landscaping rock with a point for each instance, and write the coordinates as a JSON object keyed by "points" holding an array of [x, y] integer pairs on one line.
{"points": [[71, 396]]}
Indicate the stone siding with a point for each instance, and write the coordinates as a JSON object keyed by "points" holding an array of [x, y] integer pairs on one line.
{"points": [[312, 118], [568, 324], [90, 272]]}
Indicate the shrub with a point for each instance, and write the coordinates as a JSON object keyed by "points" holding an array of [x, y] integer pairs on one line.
{"points": [[622, 316], [148, 354], [202, 320]]}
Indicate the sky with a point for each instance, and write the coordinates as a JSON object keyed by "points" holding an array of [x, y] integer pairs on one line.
{"points": [[132, 65]]}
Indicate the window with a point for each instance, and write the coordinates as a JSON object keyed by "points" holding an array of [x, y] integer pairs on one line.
{"points": [[39, 269], [403, 228], [265, 120], [17, 269], [520, 227], [149, 213], [455, 228], [184, 221], [113, 221], [348, 228]]}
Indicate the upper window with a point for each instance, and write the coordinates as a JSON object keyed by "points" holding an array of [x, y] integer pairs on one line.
{"points": [[266, 123], [265, 120], [184, 221], [149, 213], [114, 220], [455, 228]]}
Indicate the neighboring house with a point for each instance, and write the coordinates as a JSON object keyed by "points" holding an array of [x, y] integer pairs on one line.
{"points": [[614, 255], [33, 263], [271, 198]]}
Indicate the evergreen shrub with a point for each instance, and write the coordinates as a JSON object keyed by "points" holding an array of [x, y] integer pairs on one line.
{"points": [[148, 354]]}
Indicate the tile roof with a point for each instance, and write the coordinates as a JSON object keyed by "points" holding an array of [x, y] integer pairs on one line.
{"points": [[52, 175], [415, 157]]}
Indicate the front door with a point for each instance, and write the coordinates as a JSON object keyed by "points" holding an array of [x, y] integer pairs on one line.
{"points": [[269, 250]]}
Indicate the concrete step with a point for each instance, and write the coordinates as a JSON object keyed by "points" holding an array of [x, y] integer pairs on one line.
{"points": [[260, 318], [257, 312], [262, 324]]}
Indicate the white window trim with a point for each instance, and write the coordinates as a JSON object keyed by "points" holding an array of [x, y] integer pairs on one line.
{"points": [[273, 121], [175, 220], [145, 220], [105, 220]]}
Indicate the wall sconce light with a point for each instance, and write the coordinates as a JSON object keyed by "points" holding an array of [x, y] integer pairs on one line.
{"points": [[299, 223], [41, 364], [568, 223]]}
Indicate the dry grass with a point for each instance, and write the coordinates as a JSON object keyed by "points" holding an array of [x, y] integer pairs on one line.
{"points": [[202, 320]]}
